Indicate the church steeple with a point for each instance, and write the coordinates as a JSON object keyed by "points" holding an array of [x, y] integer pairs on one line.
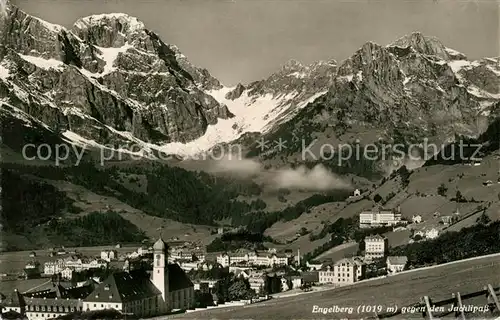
{"points": [[160, 270], [159, 246]]}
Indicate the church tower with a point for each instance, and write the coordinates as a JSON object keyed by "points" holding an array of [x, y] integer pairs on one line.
{"points": [[160, 271]]}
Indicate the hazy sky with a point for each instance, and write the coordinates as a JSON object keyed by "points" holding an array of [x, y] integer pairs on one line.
{"points": [[246, 40]]}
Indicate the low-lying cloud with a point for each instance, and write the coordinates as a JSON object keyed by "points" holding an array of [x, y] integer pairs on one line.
{"points": [[244, 168], [318, 178]]}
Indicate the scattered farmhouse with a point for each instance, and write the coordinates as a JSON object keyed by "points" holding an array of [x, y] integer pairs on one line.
{"points": [[314, 266], [416, 219], [109, 255], [446, 220], [431, 233]]}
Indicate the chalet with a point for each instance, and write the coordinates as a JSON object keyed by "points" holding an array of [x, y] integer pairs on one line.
{"points": [[432, 233], [109, 255], [67, 273], [314, 266], [396, 263], [416, 219], [446, 220], [31, 273]]}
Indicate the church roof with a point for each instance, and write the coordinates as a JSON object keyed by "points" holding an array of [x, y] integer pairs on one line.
{"points": [[122, 287], [178, 278], [11, 314], [61, 292], [159, 245], [397, 260], [14, 300]]}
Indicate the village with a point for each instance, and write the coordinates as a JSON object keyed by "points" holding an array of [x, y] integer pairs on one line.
{"points": [[193, 279]]}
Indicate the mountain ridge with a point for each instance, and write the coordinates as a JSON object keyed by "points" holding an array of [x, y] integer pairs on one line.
{"points": [[65, 79], [157, 100]]}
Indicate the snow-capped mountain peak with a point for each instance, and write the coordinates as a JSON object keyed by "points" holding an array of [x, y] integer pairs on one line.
{"points": [[129, 23], [111, 80]]}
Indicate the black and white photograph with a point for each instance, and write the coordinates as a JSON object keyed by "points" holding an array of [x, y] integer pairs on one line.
{"points": [[249, 159]]}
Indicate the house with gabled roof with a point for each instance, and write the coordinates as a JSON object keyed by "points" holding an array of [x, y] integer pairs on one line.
{"points": [[396, 263], [14, 302]]}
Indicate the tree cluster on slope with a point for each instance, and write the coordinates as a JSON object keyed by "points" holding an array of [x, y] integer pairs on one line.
{"points": [[473, 241]]}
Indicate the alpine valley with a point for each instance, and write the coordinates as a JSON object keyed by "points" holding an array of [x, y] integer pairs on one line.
{"points": [[110, 85]]}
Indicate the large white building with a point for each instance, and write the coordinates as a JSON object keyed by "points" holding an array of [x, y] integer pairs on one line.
{"points": [[74, 263], [375, 247], [369, 219], [253, 258], [347, 271]]}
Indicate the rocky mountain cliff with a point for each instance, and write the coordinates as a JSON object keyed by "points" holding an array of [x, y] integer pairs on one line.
{"points": [[108, 80], [413, 89]]}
